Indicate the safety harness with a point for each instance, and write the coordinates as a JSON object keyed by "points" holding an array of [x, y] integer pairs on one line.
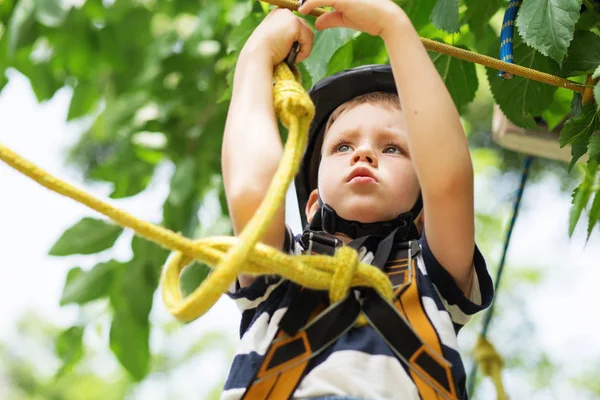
{"points": [[311, 324]]}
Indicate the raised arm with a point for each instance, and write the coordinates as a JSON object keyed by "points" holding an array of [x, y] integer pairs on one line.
{"points": [[439, 150], [436, 140], [252, 145]]}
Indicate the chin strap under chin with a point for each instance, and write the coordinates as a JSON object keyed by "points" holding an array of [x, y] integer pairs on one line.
{"points": [[327, 220]]}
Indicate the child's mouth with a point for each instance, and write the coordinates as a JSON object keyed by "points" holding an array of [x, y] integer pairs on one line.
{"points": [[362, 180]]}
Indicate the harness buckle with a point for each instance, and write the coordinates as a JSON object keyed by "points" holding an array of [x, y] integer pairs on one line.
{"points": [[320, 243]]}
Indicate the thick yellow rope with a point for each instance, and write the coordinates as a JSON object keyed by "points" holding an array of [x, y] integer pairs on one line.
{"points": [[471, 56], [491, 364], [232, 256]]}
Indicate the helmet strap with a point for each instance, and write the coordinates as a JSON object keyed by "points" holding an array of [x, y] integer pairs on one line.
{"points": [[327, 220]]}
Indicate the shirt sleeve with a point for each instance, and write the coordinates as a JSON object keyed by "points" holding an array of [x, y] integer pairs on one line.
{"points": [[252, 296], [459, 306]]}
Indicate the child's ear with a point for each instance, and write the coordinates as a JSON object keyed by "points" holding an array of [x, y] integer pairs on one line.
{"points": [[312, 205]]}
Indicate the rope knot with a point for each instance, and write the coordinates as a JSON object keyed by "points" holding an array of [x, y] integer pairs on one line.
{"points": [[290, 99], [491, 364], [487, 356], [346, 263]]}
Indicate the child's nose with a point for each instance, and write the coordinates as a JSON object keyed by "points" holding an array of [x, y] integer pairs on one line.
{"points": [[365, 154]]}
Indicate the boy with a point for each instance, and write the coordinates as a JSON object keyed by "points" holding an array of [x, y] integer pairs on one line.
{"points": [[384, 141]]}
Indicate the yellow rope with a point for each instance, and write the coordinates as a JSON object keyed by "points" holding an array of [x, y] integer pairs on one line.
{"points": [[467, 55], [491, 364], [232, 256]]}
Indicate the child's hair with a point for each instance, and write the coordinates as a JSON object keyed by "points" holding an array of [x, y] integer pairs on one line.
{"points": [[388, 100], [385, 99]]}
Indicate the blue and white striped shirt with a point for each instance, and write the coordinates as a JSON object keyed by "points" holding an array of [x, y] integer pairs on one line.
{"points": [[359, 363]]}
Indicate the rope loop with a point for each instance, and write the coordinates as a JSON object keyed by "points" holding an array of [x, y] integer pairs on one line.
{"points": [[346, 266], [290, 99]]}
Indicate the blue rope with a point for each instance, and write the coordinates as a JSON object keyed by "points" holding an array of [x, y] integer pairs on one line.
{"points": [[507, 34]]}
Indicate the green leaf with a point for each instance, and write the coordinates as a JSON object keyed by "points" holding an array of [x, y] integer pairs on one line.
{"points": [[306, 79], [82, 287], [240, 34], [521, 99], [460, 78], [368, 50], [559, 109], [6, 8], [184, 218], [42, 82], [85, 96], [120, 164], [325, 45], [131, 298], [576, 104], [584, 54], [581, 195], [180, 210], [129, 341], [587, 20], [50, 12], [479, 13], [596, 73], [594, 146], [148, 251], [341, 59], [594, 215], [183, 182], [418, 11], [69, 348], [597, 94], [3, 80], [548, 25], [445, 15], [581, 127], [192, 276], [578, 149], [486, 40], [20, 23], [577, 132], [88, 236]]}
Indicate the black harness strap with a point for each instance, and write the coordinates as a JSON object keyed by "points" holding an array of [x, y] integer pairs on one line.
{"points": [[287, 357], [404, 326]]}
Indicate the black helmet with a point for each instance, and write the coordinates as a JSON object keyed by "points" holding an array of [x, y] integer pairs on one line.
{"points": [[327, 95]]}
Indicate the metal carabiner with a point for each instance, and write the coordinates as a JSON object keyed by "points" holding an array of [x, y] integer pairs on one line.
{"points": [[290, 60]]}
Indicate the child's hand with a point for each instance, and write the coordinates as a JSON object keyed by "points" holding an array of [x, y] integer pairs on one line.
{"points": [[370, 16], [276, 34]]}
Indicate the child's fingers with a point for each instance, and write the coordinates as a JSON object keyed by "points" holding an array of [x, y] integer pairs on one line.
{"points": [[332, 19], [310, 5], [305, 39]]}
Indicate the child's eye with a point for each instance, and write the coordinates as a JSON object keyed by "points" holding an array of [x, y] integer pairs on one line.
{"points": [[342, 148], [392, 149]]}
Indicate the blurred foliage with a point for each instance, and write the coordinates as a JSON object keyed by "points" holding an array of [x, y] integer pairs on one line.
{"points": [[38, 363], [153, 80], [41, 344]]}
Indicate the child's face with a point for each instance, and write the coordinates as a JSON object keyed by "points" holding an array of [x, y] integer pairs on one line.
{"points": [[368, 140]]}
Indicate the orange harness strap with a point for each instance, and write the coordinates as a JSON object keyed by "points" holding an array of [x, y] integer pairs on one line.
{"points": [[404, 325]]}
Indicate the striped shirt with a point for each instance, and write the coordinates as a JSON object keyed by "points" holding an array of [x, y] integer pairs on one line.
{"points": [[359, 363]]}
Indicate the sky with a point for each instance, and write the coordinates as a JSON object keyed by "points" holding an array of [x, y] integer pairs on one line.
{"points": [[32, 218]]}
